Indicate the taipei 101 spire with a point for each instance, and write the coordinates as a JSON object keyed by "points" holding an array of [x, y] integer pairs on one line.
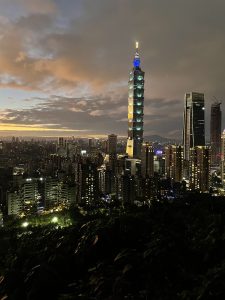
{"points": [[135, 108]]}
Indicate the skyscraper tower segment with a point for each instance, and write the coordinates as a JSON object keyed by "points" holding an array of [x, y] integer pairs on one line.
{"points": [[194, 122], [223, 158], [135, 108], [215, 132]]}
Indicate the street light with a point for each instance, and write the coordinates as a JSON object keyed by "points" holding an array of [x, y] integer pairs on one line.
{"points": [[54, 220], [25, 224]]}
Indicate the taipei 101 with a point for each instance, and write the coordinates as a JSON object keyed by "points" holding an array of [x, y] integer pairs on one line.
{"points": [[112, 150]]}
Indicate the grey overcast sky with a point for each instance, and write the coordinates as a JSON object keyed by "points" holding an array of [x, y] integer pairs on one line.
{"points": [[64, 64]]}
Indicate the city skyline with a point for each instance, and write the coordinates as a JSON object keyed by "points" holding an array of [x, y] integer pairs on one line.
{"points": [[61, 76]]}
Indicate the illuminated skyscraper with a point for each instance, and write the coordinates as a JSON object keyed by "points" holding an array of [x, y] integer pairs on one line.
{"points": [[174, 162], [194, 122], [86, 179], [200, 164], [147, 160], [223, 158], [135, 108], [215, 132]]}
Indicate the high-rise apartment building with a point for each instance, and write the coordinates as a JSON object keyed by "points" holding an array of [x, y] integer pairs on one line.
{"points": [[215, 132], [194, 122], [135, 108], [200, 164], [14, 203], [52, 187], [174, 162], [87, 182], [30, 194]]}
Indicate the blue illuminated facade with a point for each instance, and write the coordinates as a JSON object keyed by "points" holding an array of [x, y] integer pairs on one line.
{"points": [[136, 61], [135, 108]]}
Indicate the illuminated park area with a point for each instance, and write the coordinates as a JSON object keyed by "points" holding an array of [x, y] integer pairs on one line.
{"points": [[59, 220]]}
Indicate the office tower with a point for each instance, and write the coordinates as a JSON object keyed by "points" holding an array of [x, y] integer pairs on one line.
{"points": [[133, 166], [112, 150], [159, 163], [200, 163], [135, 108], [215, 132], [194, 122], [147, 160], [174, 162], [223, 158], [106, 180]]}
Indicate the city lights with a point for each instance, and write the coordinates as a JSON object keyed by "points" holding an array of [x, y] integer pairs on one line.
{"points": [[55, 220], [25, 224]]}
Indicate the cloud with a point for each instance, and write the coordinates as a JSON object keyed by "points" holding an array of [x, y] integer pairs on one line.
{"points": [[99, 116], [178, 45], [84, 49], [39, 6], [17, 8], [96, 113]]}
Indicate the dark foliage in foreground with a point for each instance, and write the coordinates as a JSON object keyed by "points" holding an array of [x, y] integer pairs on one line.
{"points": [[170, 251]]}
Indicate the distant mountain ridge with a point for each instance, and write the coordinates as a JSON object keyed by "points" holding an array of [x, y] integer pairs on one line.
{"points": [[160, 139]]}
